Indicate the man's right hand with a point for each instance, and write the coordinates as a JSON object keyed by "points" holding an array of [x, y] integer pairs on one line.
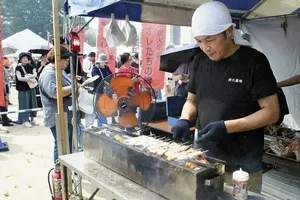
{"points": [[181, 130]]}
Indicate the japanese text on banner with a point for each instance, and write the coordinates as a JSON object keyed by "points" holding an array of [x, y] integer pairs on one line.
{"points": [[102, 46], [153, 45]]}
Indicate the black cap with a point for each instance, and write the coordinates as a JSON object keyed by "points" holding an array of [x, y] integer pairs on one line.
{"points": [[92, 54], [62, 40], [23, 54]]}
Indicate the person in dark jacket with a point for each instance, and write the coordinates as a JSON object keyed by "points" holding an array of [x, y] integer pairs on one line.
{"points": [[26, 74], [136, 62], [100, 69]]}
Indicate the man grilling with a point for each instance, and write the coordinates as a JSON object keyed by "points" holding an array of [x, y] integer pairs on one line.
{"points": [[231, 92]]}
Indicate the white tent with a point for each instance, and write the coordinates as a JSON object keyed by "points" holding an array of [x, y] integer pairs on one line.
{"points": [[25, 40], [87, 48]]}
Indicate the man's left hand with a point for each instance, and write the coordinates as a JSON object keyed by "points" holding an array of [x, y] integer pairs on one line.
{"points": [[214, 131]]}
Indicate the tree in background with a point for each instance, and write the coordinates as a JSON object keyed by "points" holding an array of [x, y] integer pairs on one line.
{"points": [[91, 36], [35, 15]]}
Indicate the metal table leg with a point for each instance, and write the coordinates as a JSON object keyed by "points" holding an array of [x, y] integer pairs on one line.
{"points": [[94, 194], [80, 188], [64, 182]]}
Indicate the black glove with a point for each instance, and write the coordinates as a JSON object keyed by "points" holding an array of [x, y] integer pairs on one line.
{"points": [[181, 130], [214, 131]]}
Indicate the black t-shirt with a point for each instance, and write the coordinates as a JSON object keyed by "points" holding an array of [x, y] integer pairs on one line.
{"points": [[135, 65], [230, 89], [79, 70]]}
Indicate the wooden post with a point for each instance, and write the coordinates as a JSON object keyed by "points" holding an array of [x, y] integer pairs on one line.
{"points": [[61, 124], [60, 106]]}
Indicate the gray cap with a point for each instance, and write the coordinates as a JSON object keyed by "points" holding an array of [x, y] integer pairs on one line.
{"points": [[102, 58]]}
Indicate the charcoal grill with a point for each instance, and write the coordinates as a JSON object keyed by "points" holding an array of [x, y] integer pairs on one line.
{"points": [[170, 179]]}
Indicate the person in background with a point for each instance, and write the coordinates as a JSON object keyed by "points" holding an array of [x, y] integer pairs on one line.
{"points": [[6, 63], [43, 61], [76, 61], [168, 80], [118, 60], [42, 64], [79, 77], [294, 80], [7, 68], [88, 64], [27, 96], [181, 78], [32, 62], [127, 70], [36, 69], [47, 84], [102, 70], [136, 62], [5, 120]]}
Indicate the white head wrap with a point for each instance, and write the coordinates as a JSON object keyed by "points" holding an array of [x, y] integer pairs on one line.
{"points": [[212, 18]]}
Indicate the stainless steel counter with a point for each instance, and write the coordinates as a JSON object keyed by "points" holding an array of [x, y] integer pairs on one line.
{"points": [[120, 187]]}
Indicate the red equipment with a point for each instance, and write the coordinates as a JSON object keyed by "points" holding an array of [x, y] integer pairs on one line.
{"points": [[56, 183], [75, 42]]}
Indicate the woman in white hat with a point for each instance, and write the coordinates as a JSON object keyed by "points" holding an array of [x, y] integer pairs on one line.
{"points": [[101, 69], [231, 95]]}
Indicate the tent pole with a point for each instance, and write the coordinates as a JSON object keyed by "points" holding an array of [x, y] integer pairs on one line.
{"points": [[87, 23], [253, 9], [274, 17], [74, 103], [58, 72], [60, 107]]}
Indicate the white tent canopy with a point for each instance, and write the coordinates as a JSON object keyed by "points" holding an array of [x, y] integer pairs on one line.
{"points": [[87, 48], [25, 40]]}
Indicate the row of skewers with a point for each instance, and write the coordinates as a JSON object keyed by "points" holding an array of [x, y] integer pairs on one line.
{"points": [[181, 154], [165, 147]]}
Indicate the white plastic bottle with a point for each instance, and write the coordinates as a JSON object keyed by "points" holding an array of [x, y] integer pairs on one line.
{"points": [[240, 180]]}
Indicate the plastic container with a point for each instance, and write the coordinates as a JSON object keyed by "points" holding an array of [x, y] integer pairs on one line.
{"points": [[240, 180]]}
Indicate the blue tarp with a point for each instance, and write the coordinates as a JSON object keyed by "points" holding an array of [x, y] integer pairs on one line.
{"points": [[134, 8]]}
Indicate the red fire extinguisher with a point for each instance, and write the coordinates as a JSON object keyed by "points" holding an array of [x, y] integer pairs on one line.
{"points": [[56, 183]]}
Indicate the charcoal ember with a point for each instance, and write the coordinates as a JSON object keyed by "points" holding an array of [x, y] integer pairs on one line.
{"points": [[281, 148], [296, 149]]}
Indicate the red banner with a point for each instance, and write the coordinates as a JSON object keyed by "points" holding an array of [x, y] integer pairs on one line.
{"points": [[2, 99], [102, 46], [153, 45], [81, 38]]}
